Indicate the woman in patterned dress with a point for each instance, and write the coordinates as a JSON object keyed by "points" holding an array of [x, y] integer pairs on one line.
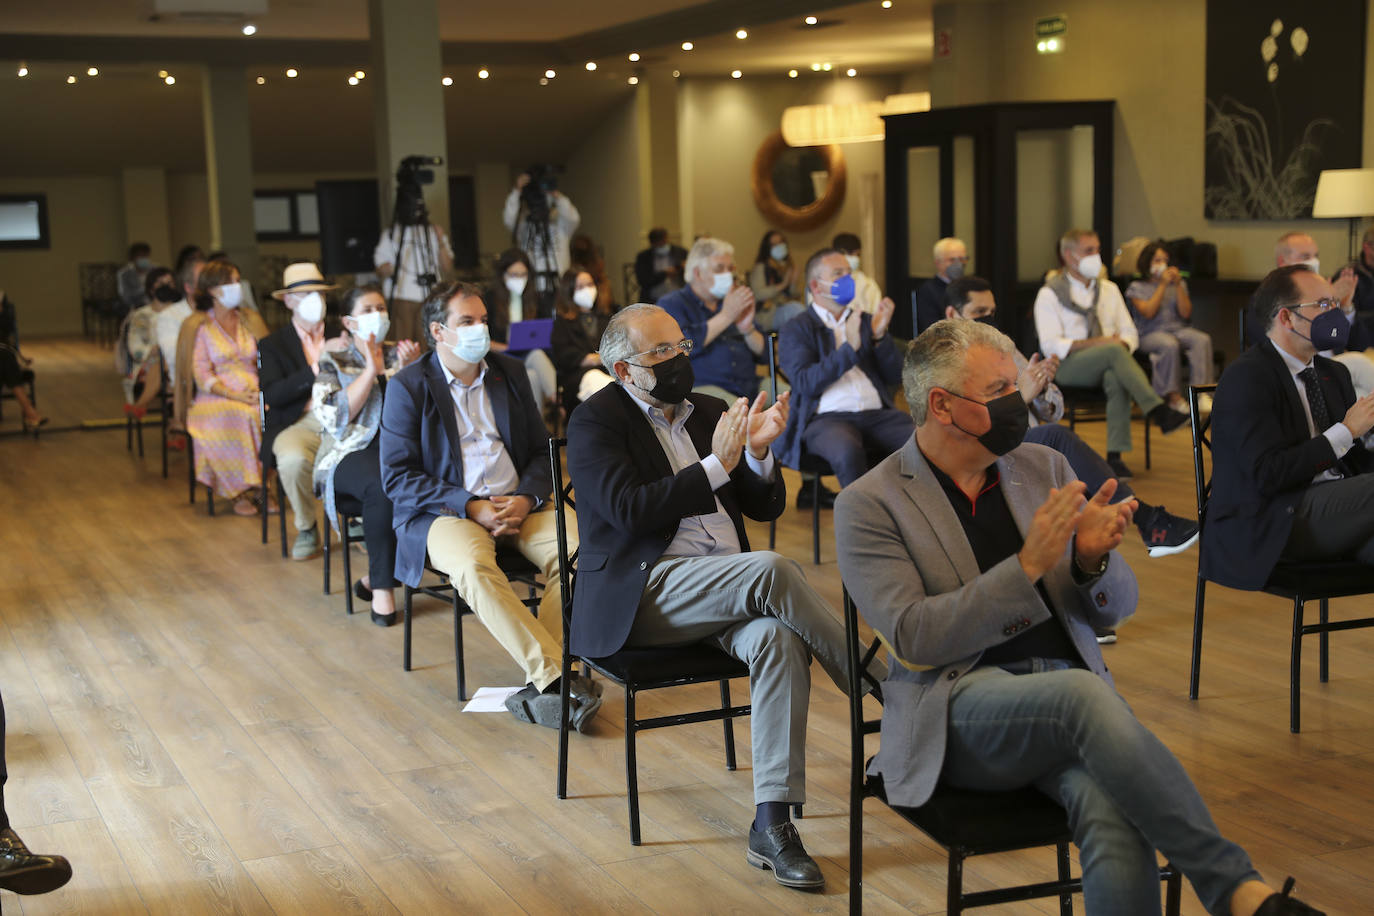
{"points": [[223, 418]]}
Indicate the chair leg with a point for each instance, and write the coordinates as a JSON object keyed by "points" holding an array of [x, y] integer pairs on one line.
{"points": [[561, 790], [210, 500], [281, 511], [138, 432], [1196, 672], [1061, 855], [191, 467], [458, 646], [729, 726], [347, 560], [128, 434], [405, 631], [631, 765], [1323, 665], [954, 884], [328, 557], [1295, 670], [1173, 891], [816, 520], [165, 408], [772, 534], [262, 517], [1147, 443]]}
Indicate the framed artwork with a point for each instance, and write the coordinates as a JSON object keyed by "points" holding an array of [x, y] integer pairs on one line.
{"points": [[1285, 100]]}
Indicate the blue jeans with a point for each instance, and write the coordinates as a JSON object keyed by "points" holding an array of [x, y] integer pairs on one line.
{"points": [[1071, 735], [1088, 465]]}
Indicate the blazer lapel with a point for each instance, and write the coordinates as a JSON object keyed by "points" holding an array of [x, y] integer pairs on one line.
{"points": [[644, 442], [1022, 496], [930, 501], [1285, 382], [443, 402]]}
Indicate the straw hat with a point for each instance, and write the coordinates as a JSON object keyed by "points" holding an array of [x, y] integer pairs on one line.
{"points": [[302, 278]]}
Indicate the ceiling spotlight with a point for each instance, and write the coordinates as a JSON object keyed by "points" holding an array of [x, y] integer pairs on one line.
{"points": [[292, 73], [170, 80], [591, 65], [549, 74], [634, 81], [262, 81], [162, 74], [360, 74], [447, 81], [815, 66], [250, 29], [810, 20], [634, 57], [826, 66], [70, 80], [92, 71], [851, 72], [687, 46], [543, 80], [352, 81], [742, 34], [792, 74], [736, 74], [483, 73], [676, 74], [23, 69], [887, 4]]}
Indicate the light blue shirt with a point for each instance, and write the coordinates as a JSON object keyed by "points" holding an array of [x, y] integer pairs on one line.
{"points": [[699, 535], [487, 466]]}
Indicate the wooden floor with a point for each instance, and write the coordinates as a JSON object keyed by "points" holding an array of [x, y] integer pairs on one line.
{"points": [[200, 730]]}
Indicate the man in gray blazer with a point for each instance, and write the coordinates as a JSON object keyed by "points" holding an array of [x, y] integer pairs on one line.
{"points": [[984, 567]]}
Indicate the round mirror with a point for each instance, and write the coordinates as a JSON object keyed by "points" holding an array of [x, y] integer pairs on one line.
{"points": [[798, 188]]}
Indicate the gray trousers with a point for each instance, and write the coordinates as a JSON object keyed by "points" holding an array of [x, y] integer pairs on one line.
{"points": [[1334, 520], [759, 608], [1165, 347], [1111, 368]]}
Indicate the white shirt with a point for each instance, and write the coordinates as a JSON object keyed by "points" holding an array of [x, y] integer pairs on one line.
{"points": [[852, 391], [412, 263], [699, 535], [1338, 434], [167, 327], [1059, 327], [563, 222], [487, 467]]}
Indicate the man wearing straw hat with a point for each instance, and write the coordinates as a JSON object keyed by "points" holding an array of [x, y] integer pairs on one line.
{"points": [[290, 358]]}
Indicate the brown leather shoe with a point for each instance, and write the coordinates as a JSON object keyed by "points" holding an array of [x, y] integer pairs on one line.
{"points": [[26, 873]]}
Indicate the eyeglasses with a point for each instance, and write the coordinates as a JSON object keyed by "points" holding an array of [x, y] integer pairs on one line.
{"points": [[1320, 305], [664, 351]]}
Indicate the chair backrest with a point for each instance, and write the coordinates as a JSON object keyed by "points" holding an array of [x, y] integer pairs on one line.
{"points": [[562, 502], [858, 662], [262, 418], [1202, 446], [772, 341]]}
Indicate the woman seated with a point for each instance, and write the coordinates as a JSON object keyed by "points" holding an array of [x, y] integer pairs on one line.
{"points": [[139, 356], [1162, 309], [347, 400], [577, 331], [512, 298], [223, 417], [773, 278], [15, 367]]}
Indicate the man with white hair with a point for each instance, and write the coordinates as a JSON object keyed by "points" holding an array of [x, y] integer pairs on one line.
{"points": [[951, 260], [1300, 248]]}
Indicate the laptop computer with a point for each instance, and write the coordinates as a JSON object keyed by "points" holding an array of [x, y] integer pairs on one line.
{"points": [[535, 334]]}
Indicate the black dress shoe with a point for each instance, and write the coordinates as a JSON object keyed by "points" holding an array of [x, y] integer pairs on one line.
{"points": [[26, 873], [1283, 904], [804, 499], [780, 848], [384, 620]]}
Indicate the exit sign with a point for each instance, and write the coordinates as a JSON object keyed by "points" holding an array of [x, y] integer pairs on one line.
{"points": [[1051, 26]]}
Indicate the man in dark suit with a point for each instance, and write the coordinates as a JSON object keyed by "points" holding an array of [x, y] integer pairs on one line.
{"points": [[951, 260], [658, 268], [842, 364], [290, 358], [464, 456], [984, 567], [664, 479], [1290, 475]]}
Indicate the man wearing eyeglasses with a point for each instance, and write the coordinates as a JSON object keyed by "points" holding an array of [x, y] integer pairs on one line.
{"points": [[664, 478], [1290, 474], [1301, 248]]}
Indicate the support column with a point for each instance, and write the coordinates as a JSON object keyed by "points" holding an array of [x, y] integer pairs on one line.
{"points": [[408, 100], [656, 101], [145, 212], [229, 167]]}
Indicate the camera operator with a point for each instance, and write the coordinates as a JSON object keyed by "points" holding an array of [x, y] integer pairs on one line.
{"points": [[542, 221], [425, 256]]}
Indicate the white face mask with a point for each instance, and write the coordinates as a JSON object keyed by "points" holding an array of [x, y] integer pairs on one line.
{"points": [[1157, 269], [853, 260], [663, 250], [585, 297], [778, 252], [721, 284], [230, 295], [516, 285], [310, 308], [1314, 263], [1090, 265], [474, 340], [375, 324]]}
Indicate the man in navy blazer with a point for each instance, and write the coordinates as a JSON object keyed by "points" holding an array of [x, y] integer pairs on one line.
{"points": [[841, 363], [1285, 486], [464, 456], [664, 478]]}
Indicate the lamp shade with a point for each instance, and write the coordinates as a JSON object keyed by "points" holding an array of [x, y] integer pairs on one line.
{"points": [[1344, 193]]}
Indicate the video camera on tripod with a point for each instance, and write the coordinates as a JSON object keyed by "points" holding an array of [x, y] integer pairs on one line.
{"points": [[410, 222]]}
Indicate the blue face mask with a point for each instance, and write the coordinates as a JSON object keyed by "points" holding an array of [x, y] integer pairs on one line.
{"points": [[1329, 331], [842, 290]]}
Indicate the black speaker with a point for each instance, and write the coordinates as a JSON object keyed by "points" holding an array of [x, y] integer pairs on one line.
{"points": [[349, 225]]}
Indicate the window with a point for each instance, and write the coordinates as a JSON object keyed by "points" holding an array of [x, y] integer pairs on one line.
{"points": [[282, 215], [24, 221]]}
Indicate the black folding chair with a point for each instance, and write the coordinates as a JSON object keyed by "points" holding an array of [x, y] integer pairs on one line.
{"points": [[635, 670], [1297, 582], [809, 464], [350, 510], [267, 462], [965, 823], [191, 477]]}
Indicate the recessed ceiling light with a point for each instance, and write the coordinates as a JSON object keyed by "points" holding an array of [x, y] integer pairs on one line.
{"points": [[851, 72], [634, 81], [483, 73], [687, 46], [543, 80], [23, 70], [792, 74], [591, 65], [742, 34], [447, 81], [250, 29], [634, 56], [352, 81], [92, 71], [826, 66], [549, 74], [70, 79], [262, 81], [292, 73], [676, 74], [736, 74], [162, 74], [815, 66], [360, 74], [887, 4], [170, 80], [810, 20]]}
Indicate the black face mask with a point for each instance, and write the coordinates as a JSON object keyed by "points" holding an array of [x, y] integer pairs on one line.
{"points": [[1010, 419], [987, 319], [166, 294], [673, 379]]}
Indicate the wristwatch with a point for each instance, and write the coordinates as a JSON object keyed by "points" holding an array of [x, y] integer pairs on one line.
{"points": [[1092, 573]]}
